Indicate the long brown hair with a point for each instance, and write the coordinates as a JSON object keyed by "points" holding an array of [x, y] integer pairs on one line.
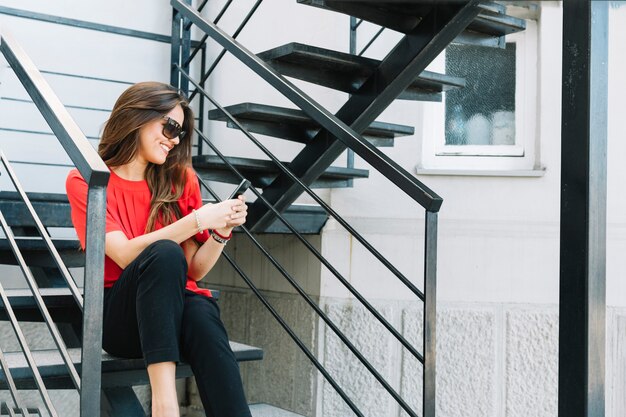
{"points": [[139, 105]]}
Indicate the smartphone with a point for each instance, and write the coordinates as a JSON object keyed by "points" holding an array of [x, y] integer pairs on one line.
{"points": [[241, 188]]}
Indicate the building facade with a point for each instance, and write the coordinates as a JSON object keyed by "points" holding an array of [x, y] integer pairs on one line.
{"points": [[498, 250]]}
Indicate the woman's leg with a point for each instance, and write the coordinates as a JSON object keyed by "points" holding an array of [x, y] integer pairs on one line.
{"points": [[163, 385], [142, 317], [205, 347]]}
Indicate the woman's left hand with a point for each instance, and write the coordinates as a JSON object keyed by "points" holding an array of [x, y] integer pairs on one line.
{"points": [[238, 215]]}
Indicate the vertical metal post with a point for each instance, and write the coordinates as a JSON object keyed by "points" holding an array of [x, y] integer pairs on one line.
{"points": [[93, 303], [185, 52], [202, 98], [353, 35], [350, 152], [430, 314], [583, 209], [176, 46]]}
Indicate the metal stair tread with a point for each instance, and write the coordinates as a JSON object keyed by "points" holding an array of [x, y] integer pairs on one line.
{"points": [[267, 410], [22, 298], [52, 208], [262, 172], [347, 72], [403, 16], [306, 218], [36, 243], [263, 165], [294, 124], [51, 365], [35, 251]]}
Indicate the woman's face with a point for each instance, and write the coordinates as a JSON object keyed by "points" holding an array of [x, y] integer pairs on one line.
{"points": [[153, 145]]}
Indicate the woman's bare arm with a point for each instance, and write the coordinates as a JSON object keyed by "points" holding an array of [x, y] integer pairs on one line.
{"points": [[212, 216], [202, 259]]}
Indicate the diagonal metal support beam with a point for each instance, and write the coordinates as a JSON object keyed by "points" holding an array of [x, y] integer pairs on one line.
{"points": [[582, 303], [406, 182], [395, 73]]}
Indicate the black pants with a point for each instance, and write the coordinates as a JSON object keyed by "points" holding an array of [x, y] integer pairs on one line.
{"points": [[148, 313]]}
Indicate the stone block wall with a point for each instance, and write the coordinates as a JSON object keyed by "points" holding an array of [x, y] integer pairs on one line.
{"points": [[493, 360]]}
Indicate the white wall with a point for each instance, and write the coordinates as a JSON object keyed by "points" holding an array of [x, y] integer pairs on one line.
{"points": [[70, 50], [499, 235]]}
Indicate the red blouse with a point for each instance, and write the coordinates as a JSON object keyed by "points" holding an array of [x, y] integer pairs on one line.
{"points": [[128, 207]]}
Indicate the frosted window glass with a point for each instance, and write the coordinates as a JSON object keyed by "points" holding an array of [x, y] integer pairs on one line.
{"points": [[482, 113]]}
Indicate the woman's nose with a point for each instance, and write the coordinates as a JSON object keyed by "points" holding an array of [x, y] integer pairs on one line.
{"points": [[175, 140]]}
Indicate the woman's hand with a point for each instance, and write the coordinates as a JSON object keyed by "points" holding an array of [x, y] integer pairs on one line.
{"points": [[224, 215], [239, 216]]}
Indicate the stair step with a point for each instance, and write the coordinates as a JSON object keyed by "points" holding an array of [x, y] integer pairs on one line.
{"points": [[403, 16], [59, 301], [52, 208], [35, 252], [295, 125], [346, 72], [305, 218], [115, 371], [262, 172], [266, 410], [54, 211]]}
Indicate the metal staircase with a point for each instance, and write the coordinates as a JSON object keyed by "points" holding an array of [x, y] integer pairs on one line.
{"points": [[429, 26]]}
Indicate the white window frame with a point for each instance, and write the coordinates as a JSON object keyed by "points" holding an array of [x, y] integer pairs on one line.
{"points": [[436, 155]]}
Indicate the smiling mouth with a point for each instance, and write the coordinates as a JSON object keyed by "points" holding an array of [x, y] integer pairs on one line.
{"points": [[165, 149]]}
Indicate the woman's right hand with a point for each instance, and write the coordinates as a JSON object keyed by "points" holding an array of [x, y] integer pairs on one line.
{"points": [[218, 215]]}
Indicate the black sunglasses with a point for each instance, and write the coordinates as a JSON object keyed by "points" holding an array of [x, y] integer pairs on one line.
{"points": [[172, 130]]}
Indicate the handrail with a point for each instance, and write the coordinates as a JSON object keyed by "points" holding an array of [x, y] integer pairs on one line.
{"points": [[43, 232], [96, 174], [309, 191], [4, 367], [43, 309], [394, 172], [315, 307], [323, 260], [328, 321], [201, 42], [366, 47], [87, 161], [217, 60], [26, 350], [285, 326]]}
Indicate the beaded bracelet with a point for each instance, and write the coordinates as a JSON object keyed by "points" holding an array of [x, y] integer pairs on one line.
{"points": [[219, 238]]}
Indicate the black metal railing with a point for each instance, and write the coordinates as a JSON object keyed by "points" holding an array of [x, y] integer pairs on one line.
{"points": [[427, 199], [353, 42], [322, 259], [18, 411], [381, 162], [185, 57], [96, 174], [354, 25]]}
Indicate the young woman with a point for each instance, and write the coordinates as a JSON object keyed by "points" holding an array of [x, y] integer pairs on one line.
{"points": [[160, 240]]}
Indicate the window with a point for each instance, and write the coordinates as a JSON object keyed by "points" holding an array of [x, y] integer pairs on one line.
{"points": [[489, 124]]}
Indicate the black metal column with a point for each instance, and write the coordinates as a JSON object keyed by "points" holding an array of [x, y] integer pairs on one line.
{"points": [[429, 396], [185, 52], [175, 50], [181, 49], [583, 209]]}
